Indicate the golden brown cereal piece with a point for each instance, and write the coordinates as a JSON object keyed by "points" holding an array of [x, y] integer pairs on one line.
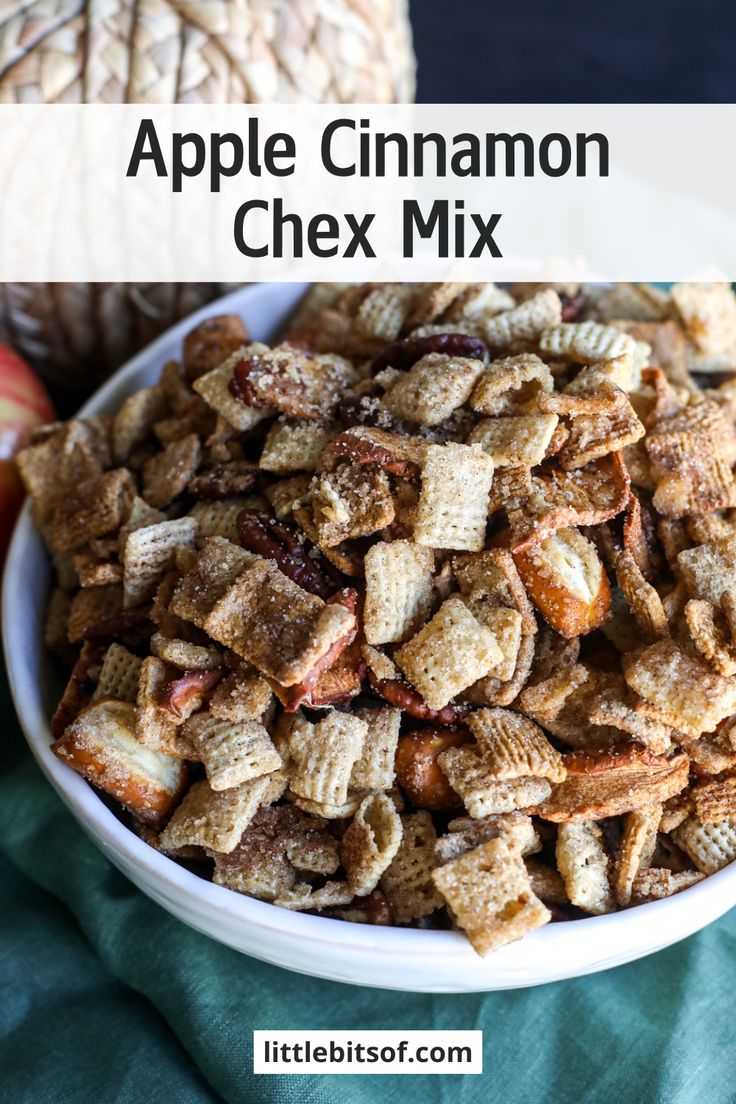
{"points": [[585, 342], [119, 673], [477, 302], [453, 502], [489, 894], [587, 496], [274, 624], [450, 653], [606, 782], [91, 606], [418, 771], [166, 475], [511, 384], [432, 300], [287, 494], [506, 626], [583, 862], [710, 846], [217, 820], [209, 343], [493, 576], [709, 569], [546, 700], [715, 800], [64, 457], [149, 552], [382, 312], [597, 433], [375, 770], [101, 745], [433, 388], [324, 755], [352, 501], [92, 508], [626, 717], [379, 664], [299, 386], [232, 751], [294, 446], [157, 727], [514, 747], [466, 833], [215, 388], [493, 690], [327, 810], [643, 302], [676, 810], [472, 776], [685, 690], [219, 564], [516, 441], [667, 342], [526, 322], [709, 633], [370, 843], [304, 897], [95, 572], [135, 420], [641, 597], [708, 312], [242, 695], [407, 882], [566, 581], [184, 655], [398, 582], [636, 850], [656, 884]]}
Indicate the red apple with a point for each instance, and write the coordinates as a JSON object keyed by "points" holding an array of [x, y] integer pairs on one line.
{"points": [[24, 404]]}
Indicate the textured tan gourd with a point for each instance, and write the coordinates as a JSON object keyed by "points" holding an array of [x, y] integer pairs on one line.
{"points": [[176, 51]]}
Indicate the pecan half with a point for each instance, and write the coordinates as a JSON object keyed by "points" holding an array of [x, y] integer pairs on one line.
{"points": [[315, 689], [224, 480], [272, 539], [402, 354], [373, 446], [113, 626], [240, 386], [400, 693], [573, 305], [179, 693]]}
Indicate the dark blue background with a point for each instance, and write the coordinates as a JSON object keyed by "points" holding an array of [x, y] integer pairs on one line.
{"points": [[560, 51]]}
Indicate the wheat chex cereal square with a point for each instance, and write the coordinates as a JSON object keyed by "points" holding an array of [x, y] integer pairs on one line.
{"points": [[465, 833], [586, 342], [407, 882], [119, 674], [452, 511], [715, 799], [375, 770], [708, 312], [214, 387], [350, 502], [149, 552], [433, 388], [135, 420], [686, 691], [449, 654], [489, 893], [636, 850], [242, 695], [166, 475], [509, 384], [710, 846], [232, 751], [294, 446], [709, 569], [473, 777], [218, 565], [583, 862], [93, 508], [506, 626], [324, 756], [217, 820], [274, 624], [399, 591], [524, 322], [91, 606], [515, 441], [492, 575], [654, 884], [157, 727], [515, 747]]}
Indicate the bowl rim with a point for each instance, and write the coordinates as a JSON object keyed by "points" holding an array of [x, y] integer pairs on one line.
{"points": [[171, 877]]}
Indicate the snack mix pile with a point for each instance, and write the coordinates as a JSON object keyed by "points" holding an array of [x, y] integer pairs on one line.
{"points": [[424, 616]]}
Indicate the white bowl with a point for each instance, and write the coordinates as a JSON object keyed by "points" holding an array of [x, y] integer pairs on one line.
{"points": [[393, 958]]}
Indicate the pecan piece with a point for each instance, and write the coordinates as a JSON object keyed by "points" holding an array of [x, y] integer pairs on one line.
{"points": [[209, 343], [418, 772], [400, 693], [573, 305], [113, 626], [240, 385], [178, 694], [224, 480], [272, 539], [315, 689], [402, 354], [389, 451]]}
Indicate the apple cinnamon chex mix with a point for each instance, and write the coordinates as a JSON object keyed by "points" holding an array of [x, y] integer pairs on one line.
{"points": [[424, 614]]}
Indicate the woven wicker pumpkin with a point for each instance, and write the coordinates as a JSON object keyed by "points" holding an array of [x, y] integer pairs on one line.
{"points": [[183, 51]]}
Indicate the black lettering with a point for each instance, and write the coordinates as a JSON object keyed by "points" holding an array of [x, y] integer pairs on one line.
{"points": [[565, 157], [242, 211], [326, 147], [359, 238], [180, 168], [485, 240], [425, 228], [147, 133]]}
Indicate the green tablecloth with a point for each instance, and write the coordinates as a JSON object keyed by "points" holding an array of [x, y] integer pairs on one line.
{"points": [[105, 998]]}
